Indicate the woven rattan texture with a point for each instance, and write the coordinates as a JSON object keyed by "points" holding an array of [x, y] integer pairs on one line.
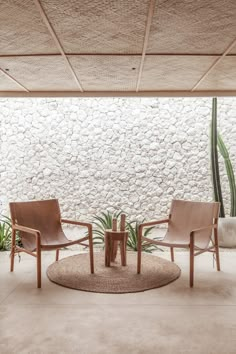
{"points": [[73, 272], [84, 26], [40, 73], [173, 73], [21, 29], [107, 73], [223, 76], [7, 83], [111, 36], [183, 26]]}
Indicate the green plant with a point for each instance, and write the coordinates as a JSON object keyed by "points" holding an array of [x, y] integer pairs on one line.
{"points": [[218, 143], [5, 233], [103, 223], [230, 173], [214, 159], [132, 243]]}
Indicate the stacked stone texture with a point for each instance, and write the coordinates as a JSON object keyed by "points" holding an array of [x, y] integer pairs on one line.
{"points": [[98, 154]]}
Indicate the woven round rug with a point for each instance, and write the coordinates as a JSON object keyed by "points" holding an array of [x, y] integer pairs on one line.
{"points": [[74, 272]]}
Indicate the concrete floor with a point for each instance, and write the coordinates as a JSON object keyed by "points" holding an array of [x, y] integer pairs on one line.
{"points": [[173, 319]]}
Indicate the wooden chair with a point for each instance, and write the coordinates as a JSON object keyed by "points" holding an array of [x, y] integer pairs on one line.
{"points": [[190, 225], [39, 227]]}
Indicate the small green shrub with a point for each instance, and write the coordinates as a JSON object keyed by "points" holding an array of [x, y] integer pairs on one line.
{"points": [[5, 233], [104, 222], [132, 243]]}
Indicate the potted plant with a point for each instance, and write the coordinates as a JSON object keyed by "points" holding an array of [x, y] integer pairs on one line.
{"points": [[227, 225]]}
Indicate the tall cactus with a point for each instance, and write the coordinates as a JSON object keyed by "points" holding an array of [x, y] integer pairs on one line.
{"points": [[214, 159], [230, 173]]}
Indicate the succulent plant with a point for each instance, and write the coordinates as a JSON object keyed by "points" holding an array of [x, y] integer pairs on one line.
{"points": [[214, 159], [218, 143], [230, 173]]}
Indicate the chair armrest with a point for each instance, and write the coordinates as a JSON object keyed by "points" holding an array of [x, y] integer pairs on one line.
{"points": [[79, 223], [153, 223], [193, 232], [27, 230]]}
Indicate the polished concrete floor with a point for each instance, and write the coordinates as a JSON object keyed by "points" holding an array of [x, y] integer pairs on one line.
{"points": [[172, 319]]}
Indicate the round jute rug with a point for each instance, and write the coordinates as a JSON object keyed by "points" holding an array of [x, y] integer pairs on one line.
{"points": [[74, 272]]}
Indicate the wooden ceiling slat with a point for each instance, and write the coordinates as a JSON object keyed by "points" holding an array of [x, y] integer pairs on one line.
{"points": [[115, 55], [145, 42], [151, 93]]}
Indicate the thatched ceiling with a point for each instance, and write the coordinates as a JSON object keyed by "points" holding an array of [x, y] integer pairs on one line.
{"points": [[117, 47]]}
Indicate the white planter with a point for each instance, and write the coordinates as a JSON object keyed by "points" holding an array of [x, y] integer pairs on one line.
{"points": [[227, 232]]}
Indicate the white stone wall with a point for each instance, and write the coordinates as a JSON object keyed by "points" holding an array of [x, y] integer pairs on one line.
{"points": [[134, 154]]}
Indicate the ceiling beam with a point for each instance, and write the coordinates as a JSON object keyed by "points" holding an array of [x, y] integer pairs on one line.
{"points": [[118, 93], [57, 41], [14, 80], [117, 54], [216, 62], [145, 42]]}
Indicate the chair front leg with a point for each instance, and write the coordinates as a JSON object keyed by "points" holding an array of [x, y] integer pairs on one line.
{"points": [[91, 250], [107, 250], [38, 257], [139, 249], [57, 254], [191, 268], [172, 254], [217, 249], [13, 245]]}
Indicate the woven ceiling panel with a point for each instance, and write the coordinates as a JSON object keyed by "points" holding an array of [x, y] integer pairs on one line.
{"points": [[22, 30], [192, 26], [40, 73], [7, 84], [222, 77], [99, 26], [233, 50], [107, 73], [173, 73]]}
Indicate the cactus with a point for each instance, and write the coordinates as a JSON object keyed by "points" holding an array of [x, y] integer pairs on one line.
{"points": [[214, 159], [230, 173]]}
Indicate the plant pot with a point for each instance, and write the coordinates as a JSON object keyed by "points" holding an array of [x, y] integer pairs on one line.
{"points": [[227, 232]]}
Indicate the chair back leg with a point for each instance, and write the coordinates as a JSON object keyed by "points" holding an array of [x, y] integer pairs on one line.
{"points": [[191, 268], [13, 244], [91, 252], [139, 252], [38, 257], [217, 249]]}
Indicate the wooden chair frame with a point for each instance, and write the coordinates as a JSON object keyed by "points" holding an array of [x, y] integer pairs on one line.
{"points": [[193, 249], [36, 233]]}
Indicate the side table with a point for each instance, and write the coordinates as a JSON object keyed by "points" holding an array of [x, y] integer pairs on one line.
{"points": [[112, 237]]}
